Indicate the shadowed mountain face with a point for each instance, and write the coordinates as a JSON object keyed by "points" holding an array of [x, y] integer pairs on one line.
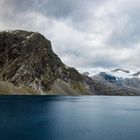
{"points": [[28, 65]]}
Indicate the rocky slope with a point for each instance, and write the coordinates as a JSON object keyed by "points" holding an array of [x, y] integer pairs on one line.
{"points": [[129, 84], [27, 61], [29, 66]]}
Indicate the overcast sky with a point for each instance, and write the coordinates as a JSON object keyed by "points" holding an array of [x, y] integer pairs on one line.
{"points": [[86, 34]]}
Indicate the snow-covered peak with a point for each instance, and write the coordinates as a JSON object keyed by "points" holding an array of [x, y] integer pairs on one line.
{"points": [[118, 73]]}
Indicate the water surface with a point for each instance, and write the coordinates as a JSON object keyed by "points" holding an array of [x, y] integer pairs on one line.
{"points": [[69, 118]]}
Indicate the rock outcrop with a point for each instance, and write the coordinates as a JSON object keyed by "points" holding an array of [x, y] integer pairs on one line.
{"points": [[28, 61]]}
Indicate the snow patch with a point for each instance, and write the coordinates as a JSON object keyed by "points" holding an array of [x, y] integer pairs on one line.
{"points": [[30, 36]]}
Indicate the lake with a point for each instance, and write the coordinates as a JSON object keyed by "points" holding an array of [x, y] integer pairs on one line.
{"points": [[69, 118]]}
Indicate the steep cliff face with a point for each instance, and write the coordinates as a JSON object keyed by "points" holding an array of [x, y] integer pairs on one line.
{"points": [[27, 60]]}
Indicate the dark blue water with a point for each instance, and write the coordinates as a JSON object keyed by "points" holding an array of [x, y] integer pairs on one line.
{"points": [[69, 118]]}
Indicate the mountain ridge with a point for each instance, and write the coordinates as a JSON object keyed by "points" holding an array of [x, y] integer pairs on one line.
{"points": [[27, 60], [109, 79]]}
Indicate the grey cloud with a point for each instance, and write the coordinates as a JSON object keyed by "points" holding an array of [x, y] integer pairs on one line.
{"points": [[53, 8], [75, 11], [82, 62], [56, 8], [81, 57], [69, 24], [128, 33]]}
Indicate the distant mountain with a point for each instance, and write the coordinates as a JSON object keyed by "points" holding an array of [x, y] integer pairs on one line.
{"points": [[86, 73], [28, 66], [118, 81]]}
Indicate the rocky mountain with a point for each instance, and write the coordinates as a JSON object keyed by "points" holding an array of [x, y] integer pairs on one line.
{"points": [[132, 83], [28, 66], [28, 61]]}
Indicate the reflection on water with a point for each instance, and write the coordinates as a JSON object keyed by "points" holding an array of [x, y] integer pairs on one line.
{"points": [[69, 118]]}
